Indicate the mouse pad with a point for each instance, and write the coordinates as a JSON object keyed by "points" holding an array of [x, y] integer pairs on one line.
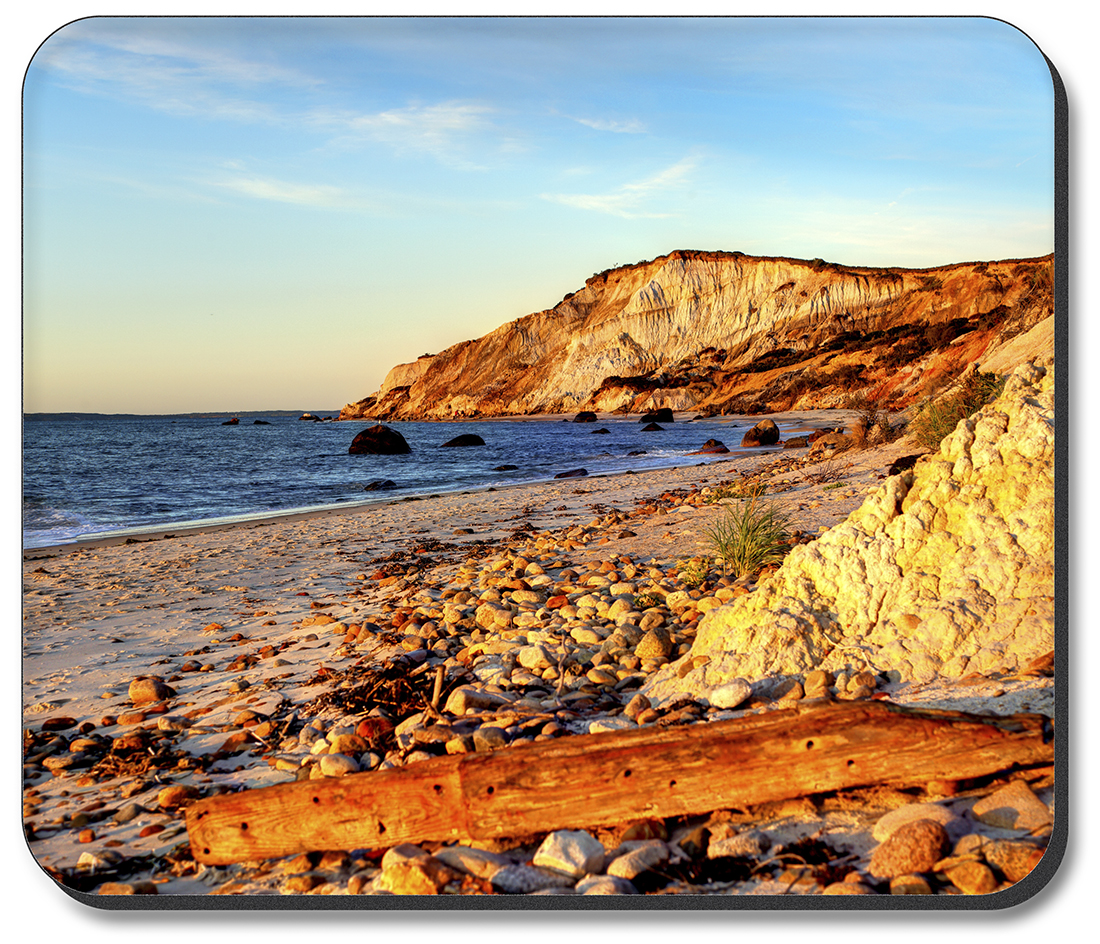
{"points": [[394, 540]]}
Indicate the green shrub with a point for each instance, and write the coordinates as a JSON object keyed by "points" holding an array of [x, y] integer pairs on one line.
{"points": [[938, 418], [692, 573], [750, 535]]}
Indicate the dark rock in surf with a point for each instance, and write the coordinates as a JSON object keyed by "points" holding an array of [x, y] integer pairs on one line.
{"points": [[797, 442], [652, 428], [571, 474], [764, 433], [663, 415], [311, 417], [379, 441], [601, 430], [505, 468], [232, 422], [260, 423], [585, 416], [466, 439], [712, 447], [379, 485]]}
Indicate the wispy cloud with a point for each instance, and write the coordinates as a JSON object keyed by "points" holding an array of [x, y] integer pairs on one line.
{"points": [[167, 75], [633, 126], [441, 130], [627, 201], [281, 191], [187, 78]]}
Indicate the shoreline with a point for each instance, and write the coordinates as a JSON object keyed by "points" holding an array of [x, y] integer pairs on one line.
{"points": [[798, 425], [256, 625]]}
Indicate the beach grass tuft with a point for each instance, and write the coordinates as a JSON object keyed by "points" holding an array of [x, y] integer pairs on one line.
{"points": [[938, 418], [751, 534]]}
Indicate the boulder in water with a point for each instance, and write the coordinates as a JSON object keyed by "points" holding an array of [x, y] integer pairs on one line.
{"points": [[466, 439], [379, 485], [379, 440], [585, 416], [764, 433], [712, 447], [663, 415], [571, 474]]}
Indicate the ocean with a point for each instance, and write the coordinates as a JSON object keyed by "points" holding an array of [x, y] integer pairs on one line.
{"points": [[87, 475]]}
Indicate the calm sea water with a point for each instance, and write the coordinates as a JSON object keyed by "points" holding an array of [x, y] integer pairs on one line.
{"points": [[84, 475]]}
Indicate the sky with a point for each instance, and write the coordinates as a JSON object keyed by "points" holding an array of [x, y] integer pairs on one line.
{"points": [[233, 214]]}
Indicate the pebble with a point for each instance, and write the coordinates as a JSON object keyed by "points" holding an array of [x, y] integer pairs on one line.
{"points": [[143, 887], [346, 743], [910, 813], [847, 888], [478, 862], [401, 853], [146, 688], [527, 879], [750, 843], [1013, 807], [655, 644], [731, 694], [338, 765], [617, 723], [640, 856], [573, 852], [605, 885], [535, 657], [912, 847], [128, 812], [177, 795], [489, 738], [972, 878], [636, 706], [910, 885], [1012, 858]]}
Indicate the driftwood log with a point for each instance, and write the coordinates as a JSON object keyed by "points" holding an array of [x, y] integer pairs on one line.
{"points": [[602, 779]]}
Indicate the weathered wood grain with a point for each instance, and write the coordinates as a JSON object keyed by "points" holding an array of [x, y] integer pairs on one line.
{"points": [[600, 779]]}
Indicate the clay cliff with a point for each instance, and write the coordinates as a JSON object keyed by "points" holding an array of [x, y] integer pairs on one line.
{"points": [[722, 332]]}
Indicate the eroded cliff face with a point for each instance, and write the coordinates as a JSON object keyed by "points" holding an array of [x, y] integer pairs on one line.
{"points": [[724, 332], [945, 570]]}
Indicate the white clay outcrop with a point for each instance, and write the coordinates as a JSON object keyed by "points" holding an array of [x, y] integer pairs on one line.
{"points": [[947, 569]]}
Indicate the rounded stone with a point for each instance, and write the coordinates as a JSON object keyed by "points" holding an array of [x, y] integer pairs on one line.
{"points": [[176, 796], [912, 848], [145, 688], [731, 694], [973, 878], [338, 765], [655, 644]]}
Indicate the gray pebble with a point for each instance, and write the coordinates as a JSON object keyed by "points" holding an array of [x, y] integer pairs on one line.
{"points": [[525, 879]]}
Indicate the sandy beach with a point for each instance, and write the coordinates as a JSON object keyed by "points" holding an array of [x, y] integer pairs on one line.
{"points": [[251, 625]]}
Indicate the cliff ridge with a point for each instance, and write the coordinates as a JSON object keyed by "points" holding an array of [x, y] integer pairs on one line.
{"points": [[722, 332]]}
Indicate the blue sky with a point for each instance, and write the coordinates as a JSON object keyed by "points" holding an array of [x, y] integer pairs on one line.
{"points": [[248, 214]]}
